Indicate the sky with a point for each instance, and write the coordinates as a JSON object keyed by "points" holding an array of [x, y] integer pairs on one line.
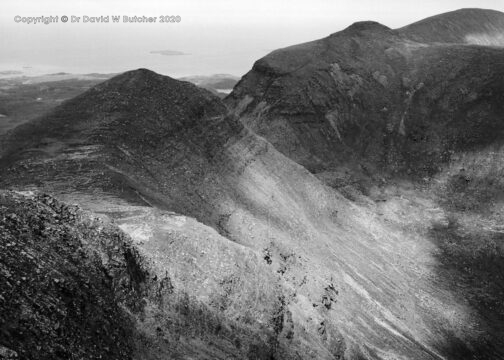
{"points": [[218, 36]]}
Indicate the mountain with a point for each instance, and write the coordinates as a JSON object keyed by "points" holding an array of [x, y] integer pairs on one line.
{"points": [[342, 203], [378, 95], [130, 120]]}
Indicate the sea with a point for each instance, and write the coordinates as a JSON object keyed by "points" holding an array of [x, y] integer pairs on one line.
{"points": [[236, 63]]}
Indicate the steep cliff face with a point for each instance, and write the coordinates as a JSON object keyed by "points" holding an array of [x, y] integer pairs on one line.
{"points": [[394, 99]]}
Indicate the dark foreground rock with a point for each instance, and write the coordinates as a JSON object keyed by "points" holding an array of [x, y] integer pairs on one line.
{"points": [[75, 287], [68, 282]]}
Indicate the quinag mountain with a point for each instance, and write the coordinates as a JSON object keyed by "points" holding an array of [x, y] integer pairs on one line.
{"points": [[343, 202]]}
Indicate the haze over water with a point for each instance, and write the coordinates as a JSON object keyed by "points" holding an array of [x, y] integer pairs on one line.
{"points": [[78, 62], [220, 36]]}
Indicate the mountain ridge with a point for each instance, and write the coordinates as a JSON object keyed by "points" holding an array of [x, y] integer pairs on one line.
{"points": [[457, 27]]}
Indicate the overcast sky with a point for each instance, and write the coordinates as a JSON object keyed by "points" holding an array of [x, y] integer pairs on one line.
{"points": [[207, 26]]}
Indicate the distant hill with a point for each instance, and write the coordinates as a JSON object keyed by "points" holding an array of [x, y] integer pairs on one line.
{"points": [[219, 84]]}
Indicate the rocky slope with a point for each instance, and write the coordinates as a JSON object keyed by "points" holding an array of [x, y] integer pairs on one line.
{"points": [[75, 286], [273, 262], [68, 282]]}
